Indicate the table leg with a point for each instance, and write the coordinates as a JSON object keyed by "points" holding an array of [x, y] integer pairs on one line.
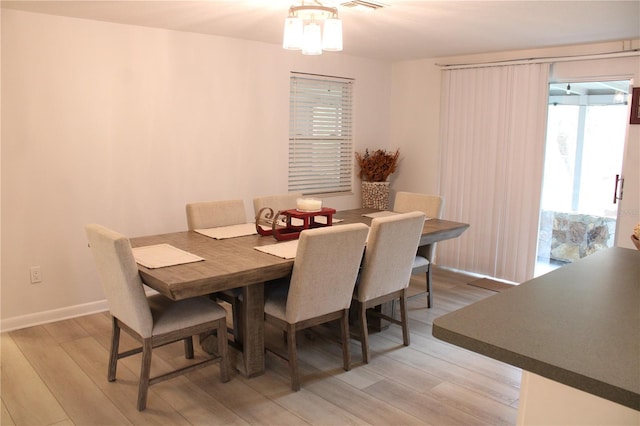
{"points": [[253, 329], [378, 324]]}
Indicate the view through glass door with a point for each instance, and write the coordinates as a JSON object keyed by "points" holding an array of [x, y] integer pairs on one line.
{"points": [[586, 128]]}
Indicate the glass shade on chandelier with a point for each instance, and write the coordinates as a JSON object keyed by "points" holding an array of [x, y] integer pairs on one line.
{"points": [[312, 39], [302, 30], [332, 37]]}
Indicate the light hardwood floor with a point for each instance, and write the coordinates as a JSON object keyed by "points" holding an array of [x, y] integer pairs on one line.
{"points": [[56, 374]]}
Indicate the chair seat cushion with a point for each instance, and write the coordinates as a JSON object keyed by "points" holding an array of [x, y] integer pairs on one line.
{"points": [[420, 264], [169, 315]]}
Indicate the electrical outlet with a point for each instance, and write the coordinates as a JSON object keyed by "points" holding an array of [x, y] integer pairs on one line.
{"points": [[36, 274]]}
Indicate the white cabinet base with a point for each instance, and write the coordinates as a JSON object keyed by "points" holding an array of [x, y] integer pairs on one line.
{"points": [[547, 402]]}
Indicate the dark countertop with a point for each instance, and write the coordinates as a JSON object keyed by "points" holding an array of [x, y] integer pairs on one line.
{"points": [[578, 325]]}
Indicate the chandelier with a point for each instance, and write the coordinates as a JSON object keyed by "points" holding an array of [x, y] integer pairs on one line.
{"points": [[302, 29]]}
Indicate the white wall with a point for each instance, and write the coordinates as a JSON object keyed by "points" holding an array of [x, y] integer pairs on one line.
{"points": [[415, 124], [123, 125], [415, 116]]}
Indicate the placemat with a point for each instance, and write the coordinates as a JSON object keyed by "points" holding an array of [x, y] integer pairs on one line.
{"points": [[383, 213], [232, 231], [285, 250], [162, 255]]}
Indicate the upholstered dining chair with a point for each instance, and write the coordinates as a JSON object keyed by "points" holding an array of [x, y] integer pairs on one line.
{"points": [[321, 286], [431, 206], [214, 214], [386, 270], [276, 202], [153, 321]]}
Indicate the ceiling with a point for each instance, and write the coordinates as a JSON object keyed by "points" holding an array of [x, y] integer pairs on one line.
{"points": [[401, 30]]}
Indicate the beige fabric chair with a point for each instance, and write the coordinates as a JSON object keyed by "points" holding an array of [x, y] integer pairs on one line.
{"points": [[321, 287], [214, 214], [432, 206], [276, 202], [386, 270], [153, 321]]}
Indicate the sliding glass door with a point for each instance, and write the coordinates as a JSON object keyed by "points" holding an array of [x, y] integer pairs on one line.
{"points": [[586, 130]]}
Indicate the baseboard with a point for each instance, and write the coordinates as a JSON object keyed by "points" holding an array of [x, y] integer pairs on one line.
{"points": [[24, 321], [45, 317]]}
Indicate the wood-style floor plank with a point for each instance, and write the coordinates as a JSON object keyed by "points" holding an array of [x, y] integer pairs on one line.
{"points": [[308, 406], [83, 401], [475, 404], [5, 417], [92, 359], [26, 400], [420, 405], [55, 374]]}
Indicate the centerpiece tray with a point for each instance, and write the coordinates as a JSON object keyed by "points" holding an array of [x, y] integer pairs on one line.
{"points": [[282, 227]]}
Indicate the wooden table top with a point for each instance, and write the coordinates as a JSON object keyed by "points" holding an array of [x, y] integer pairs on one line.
{"points": [[234, 262]]}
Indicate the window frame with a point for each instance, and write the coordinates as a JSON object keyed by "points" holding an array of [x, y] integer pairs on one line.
{"points": [[320, 134]]}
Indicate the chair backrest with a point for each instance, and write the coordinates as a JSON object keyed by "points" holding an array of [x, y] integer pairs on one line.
{"points": [[325, 270], [276, 202], [388, 259], [430, 205], [213, 214], [120, 279]]}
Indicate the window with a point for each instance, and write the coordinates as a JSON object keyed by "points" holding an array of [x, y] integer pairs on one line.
{"points": [[320, 131]]}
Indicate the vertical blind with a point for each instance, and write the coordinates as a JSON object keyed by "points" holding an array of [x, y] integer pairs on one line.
{"points": [[493, 136], [320, 134]]}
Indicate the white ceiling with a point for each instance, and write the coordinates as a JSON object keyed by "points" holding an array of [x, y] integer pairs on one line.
{"points": [[402, 30]]}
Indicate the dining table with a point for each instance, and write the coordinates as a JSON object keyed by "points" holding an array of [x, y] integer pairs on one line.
{"points": [[235, 263]]}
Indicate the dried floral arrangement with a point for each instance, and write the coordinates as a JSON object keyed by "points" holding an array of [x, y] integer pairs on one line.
{"points": [[378, 165]]}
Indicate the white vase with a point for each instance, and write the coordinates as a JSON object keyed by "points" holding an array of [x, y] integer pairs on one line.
{"points": [[375, 195]]}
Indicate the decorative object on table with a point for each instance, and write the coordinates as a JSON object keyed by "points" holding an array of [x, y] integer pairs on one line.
{"points": [[282, 227], [375, 169], [635, 237], [308, 205]]}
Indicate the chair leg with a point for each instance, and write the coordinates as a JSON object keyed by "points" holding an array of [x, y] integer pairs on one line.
{"points": [[188, 347], [364, 333], [223, 350], [293, 357], [429, 292], [346, 356], [145, 371], [115, 345], [403, 318]]}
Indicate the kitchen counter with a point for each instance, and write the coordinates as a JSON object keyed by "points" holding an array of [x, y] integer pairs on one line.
{"points": [[578, 326]]}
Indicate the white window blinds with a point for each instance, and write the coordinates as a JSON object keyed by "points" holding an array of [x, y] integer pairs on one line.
{"points": [[320, 131]]}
